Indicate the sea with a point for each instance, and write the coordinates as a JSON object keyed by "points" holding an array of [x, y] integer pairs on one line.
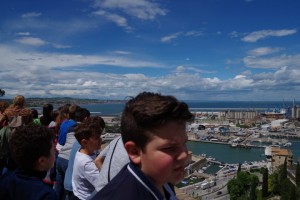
{"points": [[202, 106], [220, 152]]}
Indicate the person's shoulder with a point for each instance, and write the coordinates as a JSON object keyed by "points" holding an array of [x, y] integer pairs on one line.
{"points": [[6, 178], [31, 187], [123, 186], [25, 112]]}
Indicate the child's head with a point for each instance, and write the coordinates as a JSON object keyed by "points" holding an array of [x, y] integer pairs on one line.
{"points": [[88, 134], [32, 147], [153, 131], [47, 109], [34, 113], [149, 111], [72, 110], [80, 114]]}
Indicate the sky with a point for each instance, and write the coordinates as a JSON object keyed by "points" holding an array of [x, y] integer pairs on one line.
{"points": [[225, 50]]}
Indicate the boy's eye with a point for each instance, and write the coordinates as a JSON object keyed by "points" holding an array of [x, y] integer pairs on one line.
{"points": [[171, 148]]}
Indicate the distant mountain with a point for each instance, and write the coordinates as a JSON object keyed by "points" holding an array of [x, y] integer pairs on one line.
{"points": [[59, 101]]}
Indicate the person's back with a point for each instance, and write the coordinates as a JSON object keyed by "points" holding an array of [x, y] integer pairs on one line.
{"points": [[33, 150], [64, 127], [26, 186], [115, 158], [17, 109], [153, 132]]}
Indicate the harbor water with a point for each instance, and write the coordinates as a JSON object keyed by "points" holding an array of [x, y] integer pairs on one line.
{"points": [[226, 153]]}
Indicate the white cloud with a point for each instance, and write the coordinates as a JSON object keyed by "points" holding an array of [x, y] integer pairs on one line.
{"points": [[258, 35], [182, 69], [23, 33], [272, 62], [31, 41], [234, 34], [261, 51], [13, 57], [173, 36], [169, 38], [141, 9], [122, 52], [60, 46], [31, 14], [194, 33], [43, 80], [117, 19]]}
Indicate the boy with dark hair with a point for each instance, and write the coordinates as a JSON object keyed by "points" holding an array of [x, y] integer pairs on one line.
{"points": [[85, 176], [47, 116], [32, 148], [153, 132]]}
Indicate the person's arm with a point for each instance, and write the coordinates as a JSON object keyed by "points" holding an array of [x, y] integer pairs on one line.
{"points": [[92, 174], [99, 161]]}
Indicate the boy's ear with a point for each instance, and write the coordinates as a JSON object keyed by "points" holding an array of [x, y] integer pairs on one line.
{"points": [[40, 163], [133, 152], [83, 142]]}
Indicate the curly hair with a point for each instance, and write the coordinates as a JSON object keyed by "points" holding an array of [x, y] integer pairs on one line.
{"points": [[94, 126], [28, 143], [19, 100], [148, 111]]}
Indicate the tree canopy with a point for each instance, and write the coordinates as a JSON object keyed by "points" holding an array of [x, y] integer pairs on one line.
{"points": [[243, 186], [2, 92]]}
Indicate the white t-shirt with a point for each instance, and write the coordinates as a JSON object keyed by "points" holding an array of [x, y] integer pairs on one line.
{"points": [[85, 177]]}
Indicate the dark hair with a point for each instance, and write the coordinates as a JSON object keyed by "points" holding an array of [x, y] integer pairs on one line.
{"points": [[47, 114], [34, 113], [81, 114], [86, 112], [3, 105], [93, 126], [148, 111], [28, 143]]}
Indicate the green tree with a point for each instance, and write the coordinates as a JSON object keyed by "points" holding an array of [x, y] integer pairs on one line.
{"points": [[298, 175], [252, 194], [287, 189], [239, 168], [243, 186], [283, 171], [293, 194], [235, 189], [265, 188], [2, 92]]}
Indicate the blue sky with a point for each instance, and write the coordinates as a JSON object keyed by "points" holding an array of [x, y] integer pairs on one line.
{"points": [[110, 49]]}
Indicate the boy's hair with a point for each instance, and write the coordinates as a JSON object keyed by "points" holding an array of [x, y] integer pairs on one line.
{"points": [[80, 114], [148, 111], [93, 126], [47, 109], [28, 143], [34, 113]]}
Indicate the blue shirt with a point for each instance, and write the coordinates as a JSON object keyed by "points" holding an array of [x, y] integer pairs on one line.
{"points": [[69, 172], [131, 183], [64, 128], [26, 186]]}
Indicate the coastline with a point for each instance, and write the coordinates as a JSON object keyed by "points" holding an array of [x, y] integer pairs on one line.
{"points": [[226, 143]]}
